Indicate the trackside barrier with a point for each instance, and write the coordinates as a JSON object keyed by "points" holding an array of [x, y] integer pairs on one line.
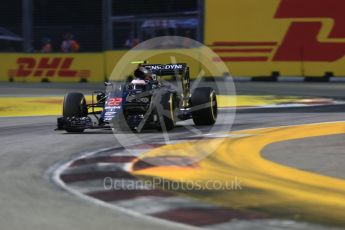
{"points": [[253, 38], [88, 67], [83, 67], [289, 37]]}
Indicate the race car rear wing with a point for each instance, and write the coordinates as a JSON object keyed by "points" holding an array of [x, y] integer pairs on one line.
{"points": [[167, 69], [174, 69]]}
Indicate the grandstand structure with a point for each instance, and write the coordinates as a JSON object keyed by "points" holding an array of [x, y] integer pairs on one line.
{"points": [[98, 25]]}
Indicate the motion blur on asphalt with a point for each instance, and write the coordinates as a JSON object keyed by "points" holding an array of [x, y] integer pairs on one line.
{"points": [[214, 114]]}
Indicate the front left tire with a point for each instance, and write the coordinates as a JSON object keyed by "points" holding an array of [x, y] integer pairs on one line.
{"points": [[74, 105]]}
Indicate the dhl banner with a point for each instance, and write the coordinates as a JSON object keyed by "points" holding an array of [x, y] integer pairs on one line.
{"points": [[90, 67], [111, 58], [20, 67], [294, 37]]}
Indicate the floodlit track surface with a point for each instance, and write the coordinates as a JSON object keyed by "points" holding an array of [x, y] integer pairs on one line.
{"points": [[29, 147]]}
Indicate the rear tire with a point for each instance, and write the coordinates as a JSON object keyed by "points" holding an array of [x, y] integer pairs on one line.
{"points": [[168, 103], [204, 106], [74, 105]]}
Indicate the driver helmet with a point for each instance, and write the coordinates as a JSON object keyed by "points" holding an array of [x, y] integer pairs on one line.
{"points": [[143, 73]]}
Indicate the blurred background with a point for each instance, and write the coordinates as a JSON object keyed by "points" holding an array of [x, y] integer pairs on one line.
{"points": [[96, 25], [265, 40]]}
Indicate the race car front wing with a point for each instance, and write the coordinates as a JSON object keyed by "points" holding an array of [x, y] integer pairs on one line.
{"points": [[64, 123]]}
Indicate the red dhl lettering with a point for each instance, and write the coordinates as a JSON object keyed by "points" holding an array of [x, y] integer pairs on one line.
{"points": [[47, 67], [301, 39]]}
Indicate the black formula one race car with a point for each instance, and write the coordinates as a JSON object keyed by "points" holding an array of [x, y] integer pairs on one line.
{"points": [[146, 102]]}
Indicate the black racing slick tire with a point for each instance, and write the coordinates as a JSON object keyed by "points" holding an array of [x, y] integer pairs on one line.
{"points": [[74, 105], [168, 113], [204, 106]]}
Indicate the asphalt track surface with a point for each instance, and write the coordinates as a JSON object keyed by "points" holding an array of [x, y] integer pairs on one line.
{"points": [[30, 147], [328, 155], [331, 89]]}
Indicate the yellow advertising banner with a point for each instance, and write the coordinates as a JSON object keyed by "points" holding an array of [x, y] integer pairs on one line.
{"points": [[110, 59], [294, 37], [20, 67]]}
